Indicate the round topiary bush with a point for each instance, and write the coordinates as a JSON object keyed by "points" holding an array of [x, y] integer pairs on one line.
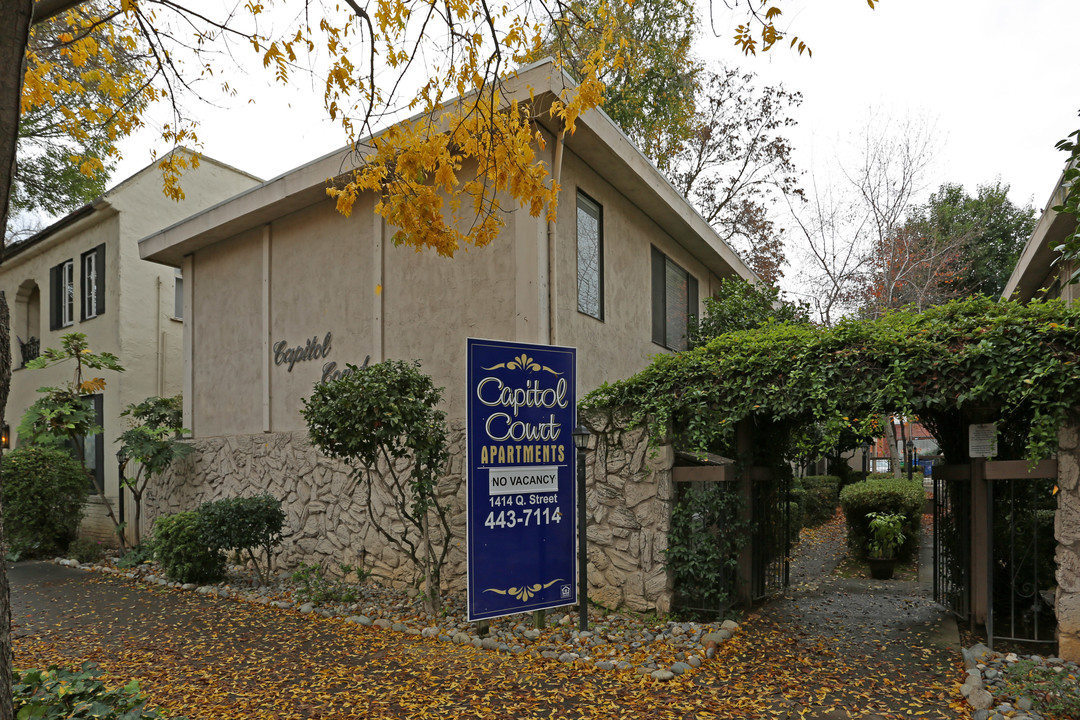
{"points": [[44, 494], [183, 551]]}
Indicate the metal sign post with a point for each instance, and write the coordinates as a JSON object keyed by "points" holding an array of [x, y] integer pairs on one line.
{"points": [[521, 484]]}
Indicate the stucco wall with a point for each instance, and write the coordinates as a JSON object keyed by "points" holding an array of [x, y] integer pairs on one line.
{"points": [[628, 509], [1067, 533], [136, 324]]}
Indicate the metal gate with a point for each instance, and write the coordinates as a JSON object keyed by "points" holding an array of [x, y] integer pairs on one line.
{"points": [[952, 540], [1022, 571], [994, 547], [771, 551]]}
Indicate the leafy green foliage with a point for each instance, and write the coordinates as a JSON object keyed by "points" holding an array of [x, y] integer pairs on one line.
{"points": [[863, 501], [184, 554], [817, 498], [85, 550], [1069, 247], [59, 693], [244, 523], [44, 495], [1054, 694], [886, 534], [153, 443], [312, 584], [708, 528], [372, 418], [972, 360], [738, 305], [138, 554]]}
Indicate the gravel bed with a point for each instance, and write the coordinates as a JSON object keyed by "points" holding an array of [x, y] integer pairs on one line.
{"points": [[615, 641], [987, 692]]}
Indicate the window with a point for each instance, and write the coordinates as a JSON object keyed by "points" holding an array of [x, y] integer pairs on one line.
{"points": [[93, 282], [674, 301], [590, 257], [92, 447], [178, 296], [62, 295]]}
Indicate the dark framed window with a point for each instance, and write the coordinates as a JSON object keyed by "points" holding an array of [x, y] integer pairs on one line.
{"points": [[92, 447], [62, 295], [674, 301], [92, 278], [178, 296], [590, 257]]}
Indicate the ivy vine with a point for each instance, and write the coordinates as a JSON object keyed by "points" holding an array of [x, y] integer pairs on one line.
{"points": [[971, 360]]}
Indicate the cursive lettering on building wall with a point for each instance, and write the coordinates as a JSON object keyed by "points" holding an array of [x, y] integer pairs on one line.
{"points": [[313, 350]]}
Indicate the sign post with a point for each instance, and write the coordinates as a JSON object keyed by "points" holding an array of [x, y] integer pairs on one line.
{"points": [[521, 483]]}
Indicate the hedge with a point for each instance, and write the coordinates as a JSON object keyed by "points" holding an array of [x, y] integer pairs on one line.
{"points": [[44, 495], [818, 498], [886, 496]]}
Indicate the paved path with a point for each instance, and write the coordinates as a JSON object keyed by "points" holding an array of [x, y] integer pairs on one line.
{"points": [[831, 648]]}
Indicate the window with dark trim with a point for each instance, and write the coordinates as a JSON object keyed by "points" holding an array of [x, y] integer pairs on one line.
{"points": [[590, 257], [674, 301], [92, 447], [62, 295], [92, 278], [178, 296]]}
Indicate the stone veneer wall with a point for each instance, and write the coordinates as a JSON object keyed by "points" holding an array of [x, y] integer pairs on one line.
{"points": [[628, 508], [1067, 533]]}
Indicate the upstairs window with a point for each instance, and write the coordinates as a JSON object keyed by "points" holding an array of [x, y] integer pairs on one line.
{"points": [[92, 278], [674, 301], [62, 295], [590, 257]]}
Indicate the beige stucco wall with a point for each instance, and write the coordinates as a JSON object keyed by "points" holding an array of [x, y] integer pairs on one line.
{"points": [[137, 324], [1067, 533]]}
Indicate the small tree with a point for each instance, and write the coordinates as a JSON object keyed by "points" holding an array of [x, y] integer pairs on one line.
{"points": [[374, 418], [61, 416], [153, 443]]}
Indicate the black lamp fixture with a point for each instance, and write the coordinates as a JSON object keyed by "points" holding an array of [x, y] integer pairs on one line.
{"points": [[910, 458], [581, 442], [5, 436]]}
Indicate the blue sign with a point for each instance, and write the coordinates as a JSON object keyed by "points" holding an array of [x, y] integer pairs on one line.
{"points": [[521, 484]]}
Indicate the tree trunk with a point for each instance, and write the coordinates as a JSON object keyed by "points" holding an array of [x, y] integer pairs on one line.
{"points": [[14, 34], [6, 659]]}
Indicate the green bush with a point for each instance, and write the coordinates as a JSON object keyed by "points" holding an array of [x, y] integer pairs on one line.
{"points": [[312, 585], [243, 523], [44, 494], [86, 551], [796, 520], [184, 554], [890, 496], [818, 499], [56, 693], [135, 556]]}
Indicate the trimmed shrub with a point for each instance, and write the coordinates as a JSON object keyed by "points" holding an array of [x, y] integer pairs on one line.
{"points": [[183, 552], [44, 494], [86, 551], [889, 496], [243, 523], [819, 494], [796, 520]]}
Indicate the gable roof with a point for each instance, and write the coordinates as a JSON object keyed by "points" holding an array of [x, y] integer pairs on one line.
{"points": [[597, 140]]}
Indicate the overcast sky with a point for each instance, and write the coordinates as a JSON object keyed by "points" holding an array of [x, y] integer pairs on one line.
{"points": [[994, 77]]}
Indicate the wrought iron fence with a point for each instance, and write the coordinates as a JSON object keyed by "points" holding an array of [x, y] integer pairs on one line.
{"points": [[952, 544], [771, 513]]}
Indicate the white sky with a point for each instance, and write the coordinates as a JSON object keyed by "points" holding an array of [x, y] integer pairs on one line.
{"points": [[995, 77]]}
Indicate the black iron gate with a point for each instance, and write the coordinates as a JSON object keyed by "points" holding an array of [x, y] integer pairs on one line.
{"points": [[1023, 566], [771, 551], [952, 539]]}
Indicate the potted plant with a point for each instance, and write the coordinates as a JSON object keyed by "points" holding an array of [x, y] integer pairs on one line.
{"points": [[886, 537]]}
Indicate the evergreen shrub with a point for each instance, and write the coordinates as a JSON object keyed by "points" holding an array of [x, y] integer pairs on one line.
{"points": [[184, 553], [243, 523], [819, 495], [44, 495], [889, 496]]}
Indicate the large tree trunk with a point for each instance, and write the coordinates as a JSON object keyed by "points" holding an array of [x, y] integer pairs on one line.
{"points": [[14, 33]]}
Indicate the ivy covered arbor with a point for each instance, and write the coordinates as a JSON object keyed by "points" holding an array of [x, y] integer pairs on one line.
{"points": [[973, 360]]}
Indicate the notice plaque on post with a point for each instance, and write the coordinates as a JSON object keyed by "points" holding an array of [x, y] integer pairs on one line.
{"points": [[982, 440], [521, 482]]}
